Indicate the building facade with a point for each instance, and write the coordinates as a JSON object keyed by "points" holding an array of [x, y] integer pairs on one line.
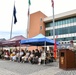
{"points": [[36, 26], [65, 27]]}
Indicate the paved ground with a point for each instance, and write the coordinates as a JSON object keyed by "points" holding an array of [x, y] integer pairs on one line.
{"points": [[14, 68]]}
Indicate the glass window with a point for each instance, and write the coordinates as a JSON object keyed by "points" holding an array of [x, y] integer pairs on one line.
{"points": [[74, 19], [61, 22], [47, 25], [55, 23], [66, 39], [48, 33], [51, 24], [56, 32], [68, 20], [40, 19], [75, 38], [51, 32], [40, 27], [71, 20], [59, 31]]}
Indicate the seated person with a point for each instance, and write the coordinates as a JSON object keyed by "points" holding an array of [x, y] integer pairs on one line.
{"points": [[13, 56], [6, 56], [42, 58], [25, 57]]}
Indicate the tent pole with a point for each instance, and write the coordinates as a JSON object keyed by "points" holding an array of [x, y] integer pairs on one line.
{"points": [[2, 47], [45, 53], [19, 52], [37, 47]]}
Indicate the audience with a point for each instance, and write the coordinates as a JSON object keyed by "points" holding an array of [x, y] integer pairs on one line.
{"points": [[33, 56]]}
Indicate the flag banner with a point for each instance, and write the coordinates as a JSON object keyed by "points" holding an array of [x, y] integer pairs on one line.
{"points": [[28, 14], [52, 3], [29, 2], [14, 14], [55, 49]]}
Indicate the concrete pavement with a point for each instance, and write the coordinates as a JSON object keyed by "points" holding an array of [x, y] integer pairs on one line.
{"points": [[15, 68]]}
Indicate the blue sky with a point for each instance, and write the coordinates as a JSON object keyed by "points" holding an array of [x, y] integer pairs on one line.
{"points": [[6, 10]]}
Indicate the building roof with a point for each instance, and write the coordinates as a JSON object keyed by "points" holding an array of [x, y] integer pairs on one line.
{"points": [[38, 12], [61, 16], [2, 39], [17, 38]]}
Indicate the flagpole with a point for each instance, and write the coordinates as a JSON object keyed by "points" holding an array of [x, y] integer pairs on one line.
{"points": [[55, 47], [15, 20], [28, 21], [53, 20], [11, 28], [12, 23]]}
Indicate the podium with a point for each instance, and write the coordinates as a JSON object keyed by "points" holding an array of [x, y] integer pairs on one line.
{"points": [[67, 59]]}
